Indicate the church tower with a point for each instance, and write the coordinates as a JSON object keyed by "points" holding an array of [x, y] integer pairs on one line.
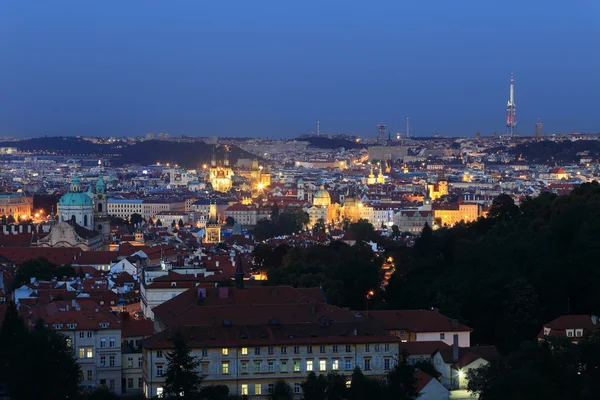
{"points": [[427, 200], [101, 221], [300, 189], [213, 228]]}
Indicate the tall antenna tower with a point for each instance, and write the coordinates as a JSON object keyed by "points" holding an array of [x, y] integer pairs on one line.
{"points": [[318, 128], [407, 127], [511, 109]]}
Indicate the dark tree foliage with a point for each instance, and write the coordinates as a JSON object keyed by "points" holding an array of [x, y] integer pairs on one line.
{"points": [[284, 222], [553, 369], [550, 152], [181, 376], [346, 273], [363, 231], [229, 221], [42, 270], [214, 392], [136, 219], [100, 393], [281, 391], [506, 274], [36, 364]]}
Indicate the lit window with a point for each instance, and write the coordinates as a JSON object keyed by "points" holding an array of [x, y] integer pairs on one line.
{"points": [[130, 362], [244, 389], [322, 365], [348, 384], [225, 352], [244, 350], [258, 388], [284, 366], [225, 368], [296, 365], [335, 364], [309, 365]]}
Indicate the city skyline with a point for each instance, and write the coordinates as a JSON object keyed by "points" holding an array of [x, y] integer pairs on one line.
{"points": [[273, 70]]}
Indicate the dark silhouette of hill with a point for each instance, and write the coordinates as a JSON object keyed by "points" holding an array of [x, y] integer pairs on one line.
{"points": [[185, 154], [328, 143], [191, 155], [562, 152]]}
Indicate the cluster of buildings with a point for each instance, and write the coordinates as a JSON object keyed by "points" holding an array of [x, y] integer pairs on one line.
{"points": [[159, 249]]}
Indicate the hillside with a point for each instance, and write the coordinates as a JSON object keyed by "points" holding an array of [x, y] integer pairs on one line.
{"points": [[186, 154], [329, 143]]}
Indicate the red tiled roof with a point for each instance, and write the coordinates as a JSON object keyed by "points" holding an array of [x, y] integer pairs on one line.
{"points": [[136, 328], [263, 334], [423, 379], [96, 257], [422, 348], [56, 255], [416, 321], [559, 326]]}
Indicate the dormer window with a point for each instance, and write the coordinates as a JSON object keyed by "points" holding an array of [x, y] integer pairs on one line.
{"points": [[104, 324], [71, 326], [569, 332], [57, 326], [173, 284], [578, 332]]}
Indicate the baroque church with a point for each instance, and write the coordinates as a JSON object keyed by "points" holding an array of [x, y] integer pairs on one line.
{"points": [[82, 219]]}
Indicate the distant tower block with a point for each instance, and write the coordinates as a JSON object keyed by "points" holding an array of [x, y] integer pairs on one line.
{"points": [[539, 128], [381, 130]]}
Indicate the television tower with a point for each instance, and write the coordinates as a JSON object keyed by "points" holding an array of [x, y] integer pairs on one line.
{"points": [[511, 109], [407, 128], [318, 128]]}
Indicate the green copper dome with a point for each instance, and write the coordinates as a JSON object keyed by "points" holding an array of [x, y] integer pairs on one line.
{"points": [[75, 199]]}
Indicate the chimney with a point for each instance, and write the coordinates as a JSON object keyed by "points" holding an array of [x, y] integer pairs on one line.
{"points": [[200, 297], [455, 349], [594, 319]]}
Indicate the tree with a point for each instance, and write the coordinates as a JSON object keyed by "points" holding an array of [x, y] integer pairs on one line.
{"points": [[319, 225], [158, 223], [37, 364], [181, 379], [38, 268], [281, 391], [314, 387], [136, 219], [274, 212], [10, 219], [395, 231], [363, 231], [260, 254], [402, 383], [100, 393], [180, 224], [503, 208], [215, 392], [336, 387], [229, 221]]}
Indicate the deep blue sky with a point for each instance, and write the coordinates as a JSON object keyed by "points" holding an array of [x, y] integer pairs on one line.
{"points": [[272, 68]]}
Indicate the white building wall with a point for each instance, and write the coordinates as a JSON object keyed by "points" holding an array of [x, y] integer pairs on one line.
{"points": [[434, 390], [464, 338]]}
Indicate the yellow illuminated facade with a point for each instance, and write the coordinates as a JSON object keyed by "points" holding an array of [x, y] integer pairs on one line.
{"points": [[438, 190], [220, 175], [260, 179], [371, 180], [450, 216]]}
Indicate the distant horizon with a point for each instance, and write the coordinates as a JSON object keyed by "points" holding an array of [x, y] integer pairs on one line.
{"points": [[272, 69]]}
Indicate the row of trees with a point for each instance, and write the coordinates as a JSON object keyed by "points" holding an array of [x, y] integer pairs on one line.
{"points": [[553, 369], [182, 381], [507, 274], [281, 223]]}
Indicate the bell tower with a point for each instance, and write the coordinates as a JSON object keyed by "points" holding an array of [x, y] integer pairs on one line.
{"points": [[101, 221]]}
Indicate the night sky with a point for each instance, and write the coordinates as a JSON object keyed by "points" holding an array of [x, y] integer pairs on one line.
{"points": [[272, 68]]}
